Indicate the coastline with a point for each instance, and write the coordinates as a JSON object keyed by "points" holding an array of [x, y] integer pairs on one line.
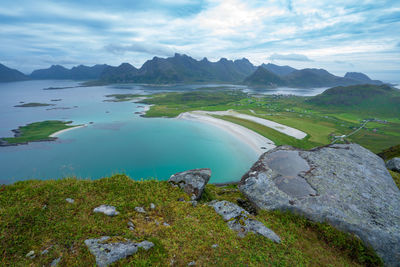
{"points": [[270, 124], [258, 143], [56, 134]]}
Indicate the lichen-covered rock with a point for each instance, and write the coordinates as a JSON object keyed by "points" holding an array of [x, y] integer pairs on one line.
{"points": [[238, 220], [192, 182], [107, 210], [345, 185], [393, 164], [106, 251]]}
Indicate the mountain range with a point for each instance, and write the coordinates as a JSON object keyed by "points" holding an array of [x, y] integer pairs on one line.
{"points": [[185, 69]]}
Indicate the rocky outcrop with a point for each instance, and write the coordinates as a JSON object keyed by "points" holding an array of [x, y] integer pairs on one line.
{"points": [[393, 164], [345, 185], [106, 250], [238, 220], [192, 182]]}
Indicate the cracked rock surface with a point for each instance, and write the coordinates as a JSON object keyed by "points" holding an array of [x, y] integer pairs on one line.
{"points": [[192, 182], [106, 251], [238, 220], [345, 185]]}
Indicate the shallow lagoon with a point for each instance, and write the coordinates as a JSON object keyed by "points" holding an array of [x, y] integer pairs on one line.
{"points": [[117, 141]]}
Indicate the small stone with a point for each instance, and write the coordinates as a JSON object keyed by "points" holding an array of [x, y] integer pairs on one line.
{"points": [[70, 200], [393, 164], [152, 206], [194, 203], [44, 207], [192, 263], [140, 209], [107, 210], [166, 224], [30, 254], [214, 246], [131, 226], [55, 262]]}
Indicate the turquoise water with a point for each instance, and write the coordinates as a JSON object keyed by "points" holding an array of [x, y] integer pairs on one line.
{"points": [[118, 141]]}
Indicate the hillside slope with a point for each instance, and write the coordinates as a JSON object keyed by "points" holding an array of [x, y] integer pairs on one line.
{"points": [[369, 99], [35, 216], [11, 75]]}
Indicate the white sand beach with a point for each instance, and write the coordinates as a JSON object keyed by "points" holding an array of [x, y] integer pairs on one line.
{"points": [[271, 124], [66, 130], [257, 142]]}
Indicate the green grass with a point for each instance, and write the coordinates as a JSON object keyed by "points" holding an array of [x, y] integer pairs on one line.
{"points": [[38, 131], [33, 104], [34, 216], [390, 152], [396, 178]]}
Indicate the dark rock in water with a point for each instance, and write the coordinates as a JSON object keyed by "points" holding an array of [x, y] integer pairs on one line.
{"points": [[393, 164], [238, 220], [109, 252], [192, 182], [344, 185]]}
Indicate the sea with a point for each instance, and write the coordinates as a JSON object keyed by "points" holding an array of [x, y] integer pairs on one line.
{"points": [[116, 140]]}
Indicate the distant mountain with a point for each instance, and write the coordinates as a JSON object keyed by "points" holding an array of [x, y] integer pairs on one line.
{"points": [[278, 70], [57, 72], [124, 72], [265, 78], [361, 77], [11, 75], [181, 68], [304, 78], [365, 98]]}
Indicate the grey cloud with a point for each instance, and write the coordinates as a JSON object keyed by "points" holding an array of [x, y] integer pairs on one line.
{"points": [[289, 57], [140, 47]]}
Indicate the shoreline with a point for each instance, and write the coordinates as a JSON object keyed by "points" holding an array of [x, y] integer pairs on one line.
{"points": [[270, 124], [56, 134], [258, 143]]}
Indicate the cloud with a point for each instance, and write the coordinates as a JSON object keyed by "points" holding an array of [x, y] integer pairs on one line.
{"points": [[140, 47], [102, 31], [289, 57]]}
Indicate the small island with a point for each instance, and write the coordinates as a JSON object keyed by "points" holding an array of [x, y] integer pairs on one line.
{"points": [[36, 132], [123, 97], [33, 104]]}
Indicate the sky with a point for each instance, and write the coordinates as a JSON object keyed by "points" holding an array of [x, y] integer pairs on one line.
{"points": [[340, 35]]}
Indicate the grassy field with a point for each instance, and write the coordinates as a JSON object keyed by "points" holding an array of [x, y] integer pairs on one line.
{"points": [[34, 215], [320, 123], [38, 131]]}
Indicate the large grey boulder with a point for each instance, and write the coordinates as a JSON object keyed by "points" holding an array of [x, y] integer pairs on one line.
{"points": [[345, 185], [192, 182], [107, 251], [238, 220], [393, 164]]}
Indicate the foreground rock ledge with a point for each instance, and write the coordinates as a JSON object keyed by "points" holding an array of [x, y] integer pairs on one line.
{"points": [[108, 251], [192, 182], [345, 185], [238, 220]]}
